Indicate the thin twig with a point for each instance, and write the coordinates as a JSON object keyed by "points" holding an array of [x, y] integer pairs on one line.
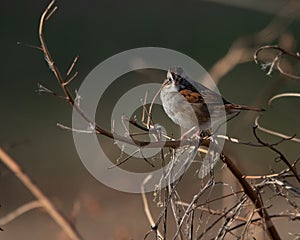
{"points": [[71, 67], [247, 224], [125, 159], [149, 119], [146, 206], [283, 136], [292, 217], [277, 59], [213, 212], [277, 96], [281, 155], [20, 211]]}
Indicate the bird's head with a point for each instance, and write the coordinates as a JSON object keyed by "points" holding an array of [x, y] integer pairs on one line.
{"points": [[174, 76]]}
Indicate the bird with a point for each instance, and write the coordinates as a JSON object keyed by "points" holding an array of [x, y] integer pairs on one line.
{"points": [[190, 104]]}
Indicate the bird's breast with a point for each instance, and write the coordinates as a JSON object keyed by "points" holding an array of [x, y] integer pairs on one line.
{"points": [[178, 108]]}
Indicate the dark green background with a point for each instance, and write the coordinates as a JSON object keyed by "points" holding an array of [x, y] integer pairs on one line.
{"points": [[96, 30]]}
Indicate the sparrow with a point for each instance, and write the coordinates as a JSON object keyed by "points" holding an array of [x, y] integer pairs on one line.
{"points": [[189, 103]]}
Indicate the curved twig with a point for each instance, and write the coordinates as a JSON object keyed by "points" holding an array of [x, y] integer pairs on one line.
{"points": [[281, 95], [281, 135], [281, 155], [277, 59], [20, 211]]}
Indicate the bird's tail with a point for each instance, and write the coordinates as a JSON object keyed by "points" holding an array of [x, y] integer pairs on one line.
{"points": [[244, 107]]}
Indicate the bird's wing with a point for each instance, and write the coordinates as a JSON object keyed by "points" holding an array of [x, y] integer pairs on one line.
{"points": [[196, 92], [192, 96]]}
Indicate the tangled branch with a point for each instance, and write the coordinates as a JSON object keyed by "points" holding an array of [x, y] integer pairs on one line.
{"points": [[276, 63], [64, 84], [184, 213]]}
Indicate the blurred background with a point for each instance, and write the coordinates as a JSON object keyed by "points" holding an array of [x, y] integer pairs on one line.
{"points": [[96, 30]]}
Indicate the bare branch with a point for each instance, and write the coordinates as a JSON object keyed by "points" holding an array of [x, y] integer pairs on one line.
{"points": [[253, 196], [30, 46], [20, 211], [43, 200], [72, 66], [281, 156], [282, 95], [241, 50], [146, 206], [281, 135], [277, 59]]}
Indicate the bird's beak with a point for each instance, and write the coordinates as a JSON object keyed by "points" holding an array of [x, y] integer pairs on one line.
{"points": [[165, 82]]}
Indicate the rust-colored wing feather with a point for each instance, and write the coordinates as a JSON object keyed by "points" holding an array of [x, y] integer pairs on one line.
{"points": [[191, 97]]}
